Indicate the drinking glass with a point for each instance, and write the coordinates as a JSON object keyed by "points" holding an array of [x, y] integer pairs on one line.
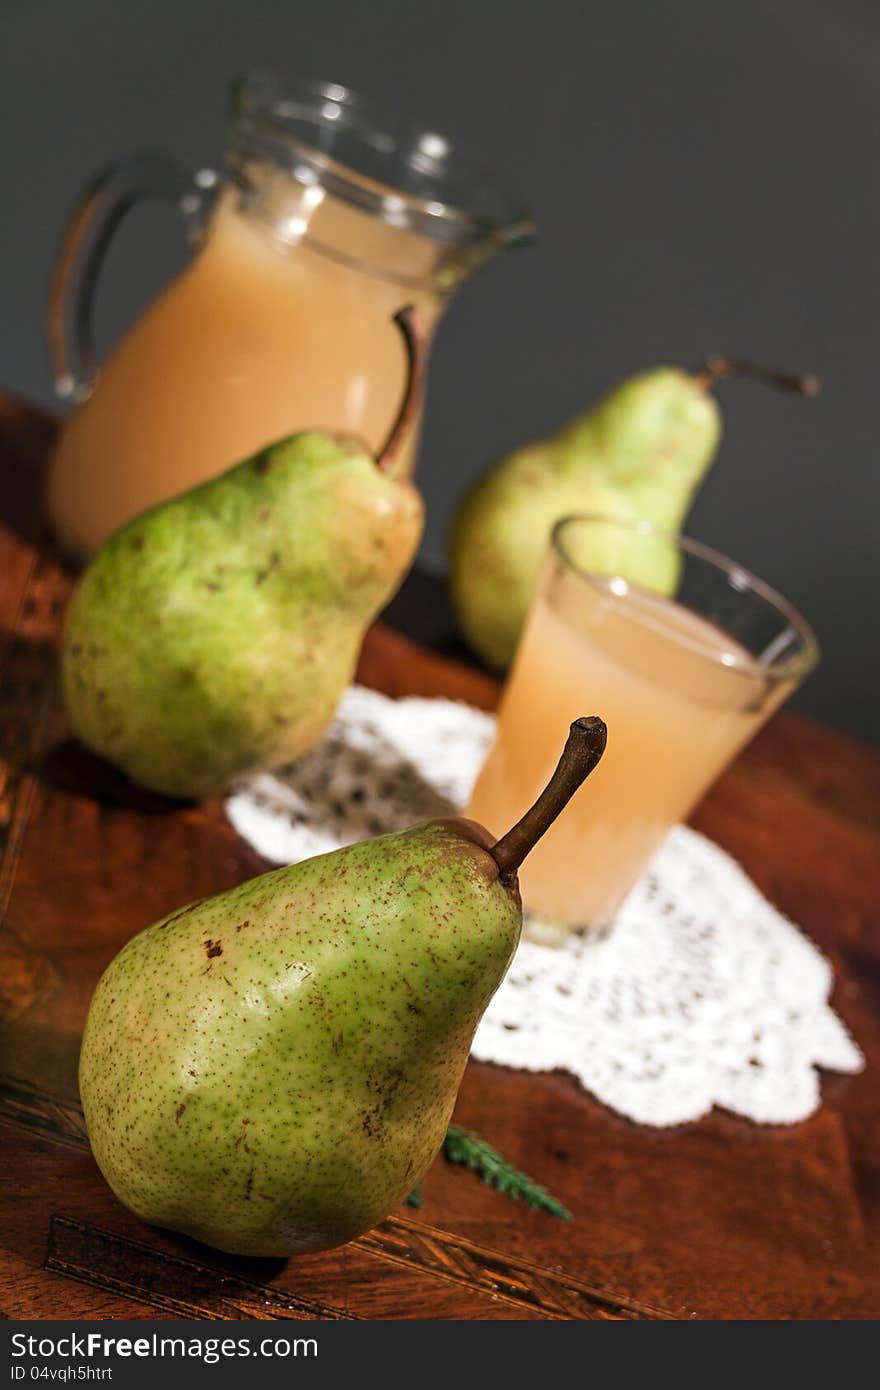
{"points": [[682, 683]]}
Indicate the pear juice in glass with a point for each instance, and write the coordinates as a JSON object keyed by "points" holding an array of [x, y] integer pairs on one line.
{"points": [[682, 683]]}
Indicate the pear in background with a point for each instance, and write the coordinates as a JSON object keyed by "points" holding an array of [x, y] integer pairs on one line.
{"points": [[215, 634], [640, 454], [273, 1069]]}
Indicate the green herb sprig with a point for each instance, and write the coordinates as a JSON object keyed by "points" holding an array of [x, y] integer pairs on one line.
{"points": [[463, 1147], [468, 1149]]}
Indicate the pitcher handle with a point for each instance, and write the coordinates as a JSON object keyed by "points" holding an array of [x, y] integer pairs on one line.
{"points": [[103, 205]]}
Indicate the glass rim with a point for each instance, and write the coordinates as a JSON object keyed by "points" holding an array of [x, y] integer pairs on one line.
{"points": [[258, 99], [795, 667]]}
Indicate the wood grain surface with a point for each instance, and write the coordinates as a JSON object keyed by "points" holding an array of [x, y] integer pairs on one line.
{"points": [[716, 1219]]}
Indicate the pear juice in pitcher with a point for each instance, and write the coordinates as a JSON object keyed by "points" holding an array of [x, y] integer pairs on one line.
{"points": [[232, 356], [331, 220]]}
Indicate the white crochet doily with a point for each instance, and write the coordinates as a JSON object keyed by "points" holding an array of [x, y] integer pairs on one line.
{"points": [[702, 995]]}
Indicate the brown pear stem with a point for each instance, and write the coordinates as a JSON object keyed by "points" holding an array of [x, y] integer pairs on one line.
{"points": [[409, 322], [583, 749], [717, 367]]}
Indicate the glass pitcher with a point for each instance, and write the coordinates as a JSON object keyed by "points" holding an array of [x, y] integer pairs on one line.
{"points": [[328, 221]]}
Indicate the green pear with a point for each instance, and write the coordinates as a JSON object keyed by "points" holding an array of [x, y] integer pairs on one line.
{"points": [[639, 454], [273, 1069], [215, 634]]}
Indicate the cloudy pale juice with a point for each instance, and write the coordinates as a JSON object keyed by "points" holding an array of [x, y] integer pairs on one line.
{"points": [[257, 338], [679, 697]]}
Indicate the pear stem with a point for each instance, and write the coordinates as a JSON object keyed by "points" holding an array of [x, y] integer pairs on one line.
{"points": [[409, 322], [717, 367], [583, 749]]}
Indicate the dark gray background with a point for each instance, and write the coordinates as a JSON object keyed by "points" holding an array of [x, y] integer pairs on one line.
{"points": [[704, 174]]}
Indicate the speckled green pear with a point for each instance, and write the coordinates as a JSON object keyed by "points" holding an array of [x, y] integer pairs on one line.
{"points": [[273, 1069], [215, 634], [640, 453]]}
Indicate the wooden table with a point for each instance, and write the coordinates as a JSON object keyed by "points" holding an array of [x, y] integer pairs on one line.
{"points": [[716, 1219]]}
